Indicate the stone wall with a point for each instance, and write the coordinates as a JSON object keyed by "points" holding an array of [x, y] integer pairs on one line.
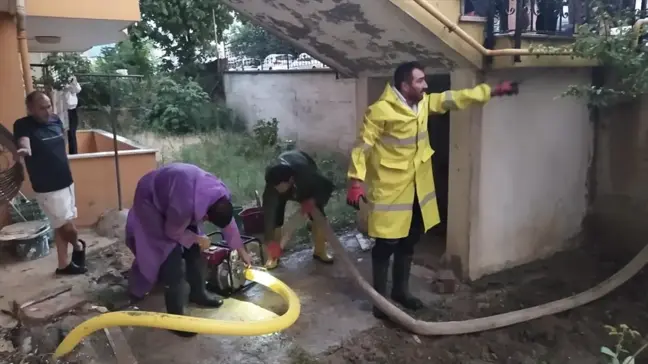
{"points": [[314, 107]]}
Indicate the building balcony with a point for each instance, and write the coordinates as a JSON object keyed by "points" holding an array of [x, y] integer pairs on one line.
{"points": [[527, 24]]}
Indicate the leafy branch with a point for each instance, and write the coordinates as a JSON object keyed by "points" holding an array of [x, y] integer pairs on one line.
{"points": [[611, 41], [623, 333]]}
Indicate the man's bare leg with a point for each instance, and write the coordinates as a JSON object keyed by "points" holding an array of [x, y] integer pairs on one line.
{"points": [[61, 249], [69, 235]]}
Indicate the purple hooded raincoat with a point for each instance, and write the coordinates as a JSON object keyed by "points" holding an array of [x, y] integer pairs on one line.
{"points": [[168, 200]]}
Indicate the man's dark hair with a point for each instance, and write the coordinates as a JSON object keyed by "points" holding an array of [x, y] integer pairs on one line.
{"points": [[404, 71], [220, 213], [278, 173], [33, 96]]}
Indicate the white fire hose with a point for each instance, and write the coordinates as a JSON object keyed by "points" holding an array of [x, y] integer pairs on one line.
{"points": [[480, 324]]}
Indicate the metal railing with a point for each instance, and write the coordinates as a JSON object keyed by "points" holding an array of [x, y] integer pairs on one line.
{"points": [[279, 61], [555, 18]]}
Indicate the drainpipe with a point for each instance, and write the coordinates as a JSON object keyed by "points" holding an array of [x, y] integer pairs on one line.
{"points": [[21, 27]]}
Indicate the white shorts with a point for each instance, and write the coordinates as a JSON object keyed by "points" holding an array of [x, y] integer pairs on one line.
{"points": [[59, 206]]}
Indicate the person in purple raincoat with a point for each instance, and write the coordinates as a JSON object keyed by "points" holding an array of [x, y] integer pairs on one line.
{"points": [[164, 227]]}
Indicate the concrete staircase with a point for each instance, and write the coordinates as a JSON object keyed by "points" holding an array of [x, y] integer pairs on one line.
{"points": [[368, 38]]}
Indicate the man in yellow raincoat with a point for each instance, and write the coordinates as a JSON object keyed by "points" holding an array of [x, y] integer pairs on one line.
{"points": [[393, 159]]}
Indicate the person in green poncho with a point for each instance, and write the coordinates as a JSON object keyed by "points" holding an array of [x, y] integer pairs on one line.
{"points": [[294, 176]]}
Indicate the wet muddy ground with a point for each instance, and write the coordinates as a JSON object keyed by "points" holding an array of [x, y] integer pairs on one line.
{"points": [[336, 325], [571, 337]]}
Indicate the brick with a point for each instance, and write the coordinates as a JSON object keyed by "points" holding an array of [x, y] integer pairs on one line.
{"points": [[53, 307], [446, 281]]}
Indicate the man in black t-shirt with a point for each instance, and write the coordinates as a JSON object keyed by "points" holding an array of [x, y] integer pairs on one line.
{"points": [[41, 142]]}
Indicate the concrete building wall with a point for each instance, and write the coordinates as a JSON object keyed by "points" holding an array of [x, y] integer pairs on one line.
{"points": [[313, 107], [620, 208], [535, 152], [12, 91]]}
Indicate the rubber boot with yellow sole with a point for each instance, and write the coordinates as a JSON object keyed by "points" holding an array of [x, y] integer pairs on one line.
{"points": [[270, 262], [320, 252]]}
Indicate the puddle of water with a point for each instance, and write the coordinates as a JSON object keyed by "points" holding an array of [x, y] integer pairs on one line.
{"points": [[233, 310]]}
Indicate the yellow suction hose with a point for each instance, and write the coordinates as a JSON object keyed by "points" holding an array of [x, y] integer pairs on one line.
{"points": [[192, 324]]}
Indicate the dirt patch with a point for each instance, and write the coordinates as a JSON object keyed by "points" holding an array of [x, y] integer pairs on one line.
{"points": [[105, 285], [572, 337]]}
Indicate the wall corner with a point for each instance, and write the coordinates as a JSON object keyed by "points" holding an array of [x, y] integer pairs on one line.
{"points": [[463, 191]]}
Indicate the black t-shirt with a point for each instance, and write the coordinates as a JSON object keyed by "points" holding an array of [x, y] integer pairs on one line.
{"points": [[48, 166]]}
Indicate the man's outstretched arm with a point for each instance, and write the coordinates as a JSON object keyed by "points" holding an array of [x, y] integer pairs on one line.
{"points": [[460, 99]]}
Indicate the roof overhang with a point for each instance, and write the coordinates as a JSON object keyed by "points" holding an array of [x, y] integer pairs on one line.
{"points": [[75, 25], [76, 35]]}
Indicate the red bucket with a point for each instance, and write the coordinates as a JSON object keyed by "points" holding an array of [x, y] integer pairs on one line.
{"points": [[252, 220]]}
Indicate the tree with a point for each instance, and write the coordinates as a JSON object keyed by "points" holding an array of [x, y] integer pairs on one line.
{"points": [[255, 42], [183, 29], [611, 41], [62, 66], [136, 58]]}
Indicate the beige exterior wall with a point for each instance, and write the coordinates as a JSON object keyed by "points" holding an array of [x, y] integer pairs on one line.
{"points": [[86, 9], [534, 155], [12, 92], [518, 166], [313, 108], [95, 180]]}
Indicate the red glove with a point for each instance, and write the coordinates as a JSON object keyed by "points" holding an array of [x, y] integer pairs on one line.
{"points": [[307, 206], [274, 250], [505, 88], [355, 193]]}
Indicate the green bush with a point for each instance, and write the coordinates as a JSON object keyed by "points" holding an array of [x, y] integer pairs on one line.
{"points": [[176, 107], [263, 140], [181, 107], [229, 156]]}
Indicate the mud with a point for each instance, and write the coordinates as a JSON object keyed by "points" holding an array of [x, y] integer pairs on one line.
{"points": [[572, 337], [336, 325]]}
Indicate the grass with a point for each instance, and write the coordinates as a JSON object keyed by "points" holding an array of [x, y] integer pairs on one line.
{"points": [[240, 162]]}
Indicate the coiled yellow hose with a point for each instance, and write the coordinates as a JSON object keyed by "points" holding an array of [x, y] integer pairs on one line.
{"points": [[192, 324]]}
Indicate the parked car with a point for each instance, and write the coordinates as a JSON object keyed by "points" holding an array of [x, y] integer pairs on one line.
{"points": [[243, 64], [277, 62], [306, 61]]}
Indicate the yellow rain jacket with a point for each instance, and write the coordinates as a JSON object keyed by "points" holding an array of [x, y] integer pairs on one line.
{"points": [[393, 157]]}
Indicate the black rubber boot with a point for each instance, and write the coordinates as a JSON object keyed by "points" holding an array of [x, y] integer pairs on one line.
{"points": [[380, 255], [380, 270], [196, 280], [79, 256], [174, 297], [400, 276], [71, 269]]}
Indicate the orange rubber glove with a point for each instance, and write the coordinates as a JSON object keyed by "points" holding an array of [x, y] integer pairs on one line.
{"points": [[274, 249], [307, 206]]}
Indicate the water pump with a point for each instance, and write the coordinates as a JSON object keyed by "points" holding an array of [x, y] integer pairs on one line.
{"points": [[225, 270]]}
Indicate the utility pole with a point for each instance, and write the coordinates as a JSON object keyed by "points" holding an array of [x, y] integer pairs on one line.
{"points": [[215, 32]]}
